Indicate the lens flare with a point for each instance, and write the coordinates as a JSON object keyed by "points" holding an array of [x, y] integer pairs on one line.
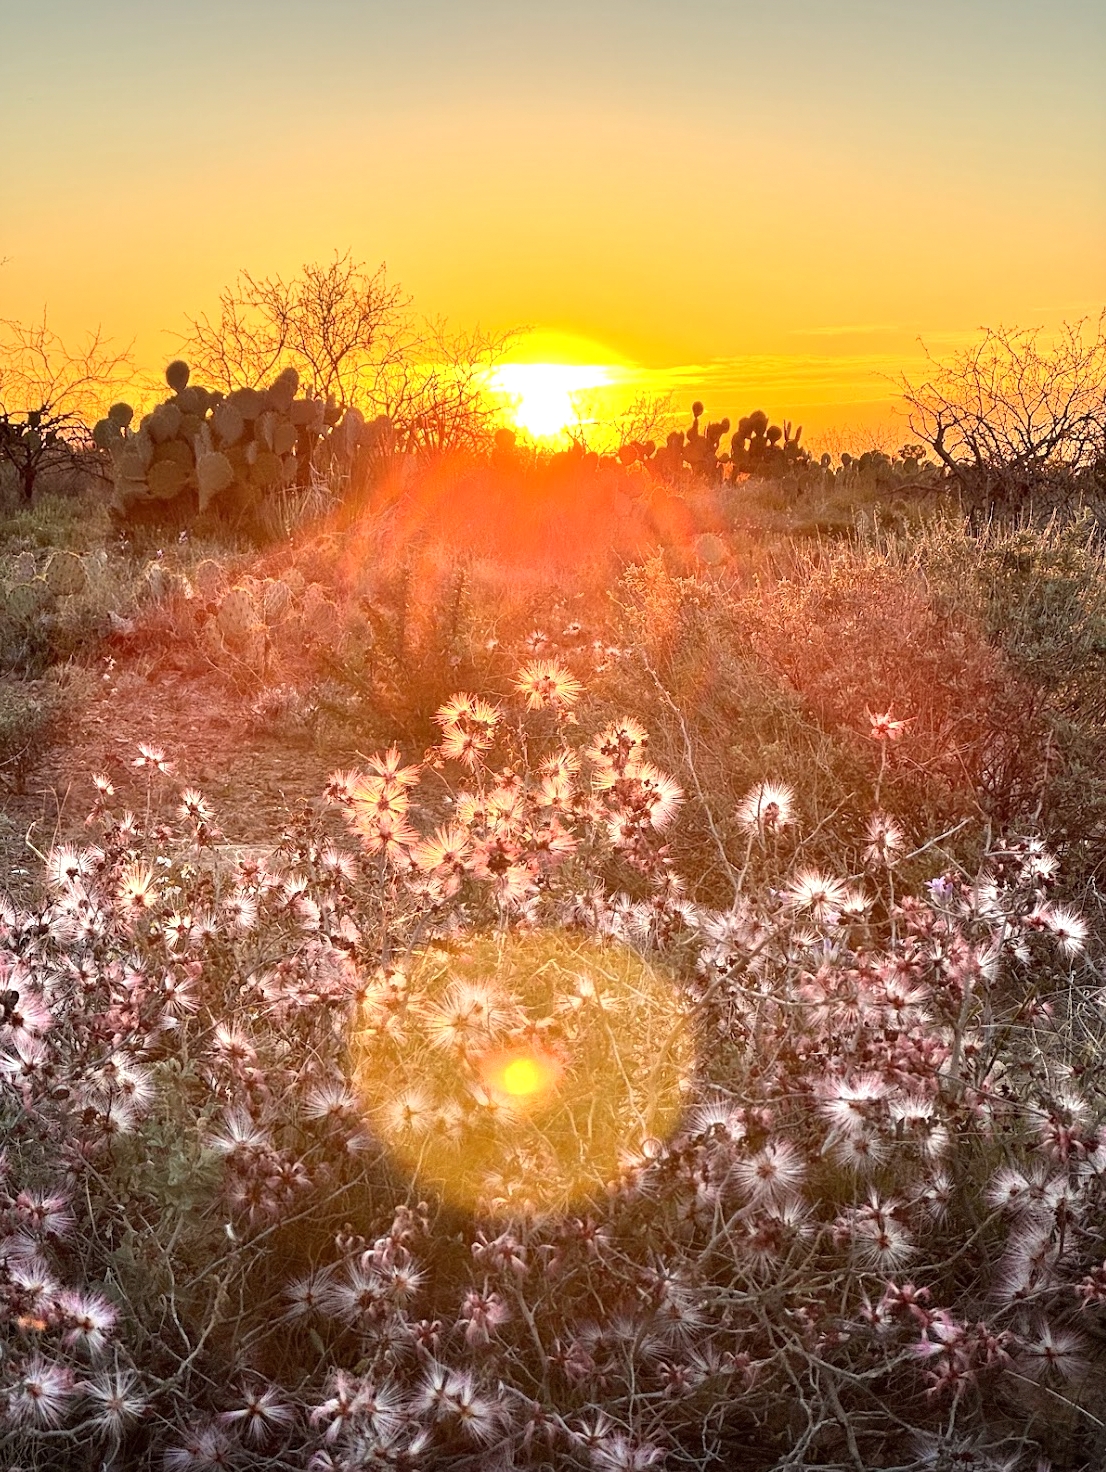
{"points": [[516, 1074], [524, 1074]]}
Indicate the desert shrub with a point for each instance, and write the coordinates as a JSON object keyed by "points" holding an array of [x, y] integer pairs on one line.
{"points": [[844, 674], [1015, 421], [868, 1234], [30, 716], [984, 651], [1040, 594]]}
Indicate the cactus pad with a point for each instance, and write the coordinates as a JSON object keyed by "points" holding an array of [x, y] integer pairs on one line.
{"points": [[166, 479], [209, 579], [214, 473], [26, 601], [177, 375], [237, 617], [65, 575]]}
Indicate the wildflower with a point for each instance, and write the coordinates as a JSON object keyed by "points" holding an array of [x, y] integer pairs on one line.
{"points": [[660, 795], [377, 797], [90, 1317], [481, 1314], [544, 682], [261, 1414], [852, 1104], [1055, 1352], [884, 726], [195, 806], [240, 1136], [503, 1252], [477, 1418], [340, 786], [618, 744], [390, 767], [152, 756], [45, 1215], [388, 836], [1069, 928], [137, 892], [201, 1448], [618, 1453], [767, 808], [882, 1245], [717, 1118], [772, 1174], [338, 864], [446, 852], [886, 841], [860, 1150], [1020, 1194], [402, 1280], [816, 893], [25, 1014], [37, 1286], [463, 708], [231, 1045], [66, 864], [115, 1402], [331, 1101], [309, 1294], [241, 910], [41, 1394], [410, 1113], [465, 746]]}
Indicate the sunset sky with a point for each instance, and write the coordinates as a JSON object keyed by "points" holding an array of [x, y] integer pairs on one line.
{"points": [[758, 204]]}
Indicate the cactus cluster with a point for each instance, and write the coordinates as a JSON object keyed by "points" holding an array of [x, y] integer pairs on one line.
{"points": [[241, 619], [204, 451], [756, 447], [760, 448], [775, 452], [27, 594]]}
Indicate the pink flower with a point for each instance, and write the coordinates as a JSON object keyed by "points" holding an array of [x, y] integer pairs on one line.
{"points": [[481, 1315]]}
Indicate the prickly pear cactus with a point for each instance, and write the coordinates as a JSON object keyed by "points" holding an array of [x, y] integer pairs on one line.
{"points": [[276, 600], [214, 474], [209, 579], [177, 375], [317, 611], [162, 583], [255, 650], [27, 601], [237, 617], [65, 575], [23, 568]]}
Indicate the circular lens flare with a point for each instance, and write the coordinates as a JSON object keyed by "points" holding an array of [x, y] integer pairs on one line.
{"points": [[524, 1074]]}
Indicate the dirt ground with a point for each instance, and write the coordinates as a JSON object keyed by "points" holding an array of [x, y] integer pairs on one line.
{"points": [[253, 780]]}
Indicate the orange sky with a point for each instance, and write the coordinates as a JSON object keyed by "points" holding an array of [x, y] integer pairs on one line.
{"points": [[756, 206]]}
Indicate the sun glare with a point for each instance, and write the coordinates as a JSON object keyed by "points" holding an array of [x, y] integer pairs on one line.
{"points": [[520, 1074], [543, 396]]}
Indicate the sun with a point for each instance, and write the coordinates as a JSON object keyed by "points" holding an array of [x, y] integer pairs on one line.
{"points": [[542, 396]]}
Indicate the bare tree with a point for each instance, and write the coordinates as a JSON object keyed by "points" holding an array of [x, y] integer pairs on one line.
{"points": [[49, 396], [339, 325], [438, 397], [352, 335], [1015, 414]]}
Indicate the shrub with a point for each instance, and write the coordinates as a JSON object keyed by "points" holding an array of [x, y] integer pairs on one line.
{"points": [[29, 717], [870, 1237]]}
